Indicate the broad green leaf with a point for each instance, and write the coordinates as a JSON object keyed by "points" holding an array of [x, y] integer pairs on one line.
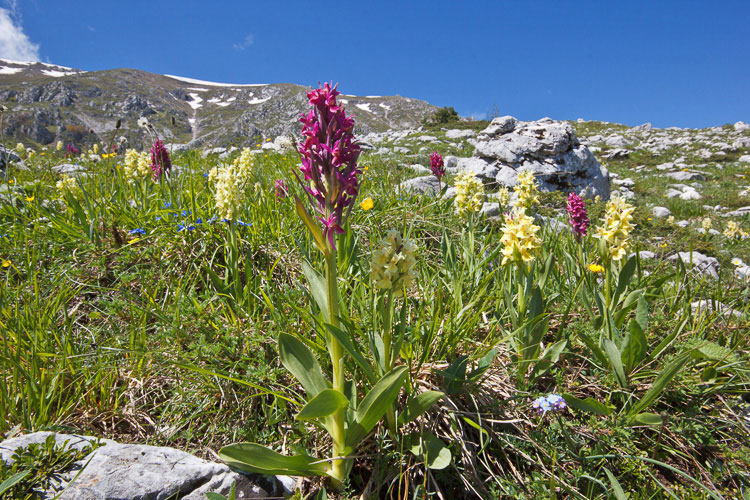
{"points": [[647, 419], [418, 405], [588, 405], [667, 341], [666, 376], [482, 365], [641, 313], [318, 287], [297, 358], [627, 305], [431, 450], [312, 226], [634, 348], [325, 403], [615, 362], [623, 280], [619, 493], [346, 342], [214, 496], [252, 457], [375, 404], [593, 347], [12, 481]]}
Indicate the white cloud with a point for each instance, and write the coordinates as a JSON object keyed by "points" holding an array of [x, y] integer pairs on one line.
{"points": [[248, 41], [14, 44]]}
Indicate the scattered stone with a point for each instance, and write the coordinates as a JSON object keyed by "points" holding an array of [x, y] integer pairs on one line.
{"points": [[420, 169], [490, 209], [700, 264], [459, 134], [427, 184], [213, 151], [642, 128], [682, 191], [740, 212], [682, 223], [709, 307], [646, 255], [741, 126], [686, 176], [139, 472], [660, 212], [548, 148], [628, 183], [427, 138], [617, 153], [69, 169], [744, 159]]}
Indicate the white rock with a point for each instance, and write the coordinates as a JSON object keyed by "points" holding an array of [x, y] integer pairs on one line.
{"points": [[660, 212], [744, 159], [701, 264], [459, 134]]}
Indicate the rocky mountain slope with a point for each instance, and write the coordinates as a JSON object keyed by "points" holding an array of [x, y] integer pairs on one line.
{"points": [[47, 103]]}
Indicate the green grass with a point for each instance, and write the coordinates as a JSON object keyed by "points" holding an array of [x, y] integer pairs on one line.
{"points": [[170, 339]]}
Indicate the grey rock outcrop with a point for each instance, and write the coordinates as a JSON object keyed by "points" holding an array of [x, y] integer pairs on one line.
{"points": [[138, 472], [427, 184], [548, 148], [698, 263]]}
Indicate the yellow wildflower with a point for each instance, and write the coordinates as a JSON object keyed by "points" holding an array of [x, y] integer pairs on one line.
{"points": [[527, 190], [732, 230], [59, 146], [595, 268], [29, 199], [393, 263], [6, 263], [706, 224], [367, 204], [520, 242], [137, 165], [469, 193], [229, 182], [614, 234], [69, 185], [670, 219], [503, 196]]}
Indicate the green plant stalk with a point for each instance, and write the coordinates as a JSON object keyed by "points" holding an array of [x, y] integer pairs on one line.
{"points": [[338, 470], [387, 311]]}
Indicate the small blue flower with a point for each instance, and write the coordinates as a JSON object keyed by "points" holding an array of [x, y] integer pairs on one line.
{"points": [[167, 204], [205, 175], [191, 227], [244, 224], [557, 402], [199, 220], [212, 220], [157, 218], [175, 215], [139, 230], [180, 227], [184, 213], [541, 405], [551, 402]]}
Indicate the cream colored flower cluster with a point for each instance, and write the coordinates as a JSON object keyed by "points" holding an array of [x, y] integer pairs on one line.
{"points": [[229, 184], [503, 196], [615, 233], [469, 193], [527, 190], [69, 185], [393, 263], [244, 162], [137, 165], [520, 241], [734, 231]]}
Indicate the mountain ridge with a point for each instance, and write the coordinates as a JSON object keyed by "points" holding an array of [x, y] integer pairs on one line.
{"points": [[49, 103]]}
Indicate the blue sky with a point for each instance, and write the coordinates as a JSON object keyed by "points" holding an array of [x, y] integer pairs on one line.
{"points": [[673, 63]]}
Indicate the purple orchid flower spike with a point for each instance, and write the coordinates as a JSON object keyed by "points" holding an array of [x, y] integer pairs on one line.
{"points": [[328, 155]]}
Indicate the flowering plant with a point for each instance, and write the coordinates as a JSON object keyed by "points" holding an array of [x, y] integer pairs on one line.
{"points": [[437, 166], [329, 156], [579, 219], [160, 162]]}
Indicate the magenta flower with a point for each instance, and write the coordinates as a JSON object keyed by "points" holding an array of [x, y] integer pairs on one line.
{"points": [[160, 162], [280, 188], [329, 155], [579, 220], [436, 165], [71, 150]]}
